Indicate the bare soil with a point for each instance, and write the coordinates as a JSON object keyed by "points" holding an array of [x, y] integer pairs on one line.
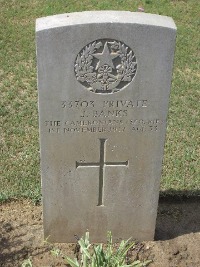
{"points": [[177, 236]]}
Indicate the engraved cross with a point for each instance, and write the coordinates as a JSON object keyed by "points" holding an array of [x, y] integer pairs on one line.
{"points": [[101, 164]]}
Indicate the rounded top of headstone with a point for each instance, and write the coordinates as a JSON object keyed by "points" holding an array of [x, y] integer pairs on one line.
{"points": [[90, 17]]}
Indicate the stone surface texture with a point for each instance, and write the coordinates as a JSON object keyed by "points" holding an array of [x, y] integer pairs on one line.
{"points": [[104, 81]]}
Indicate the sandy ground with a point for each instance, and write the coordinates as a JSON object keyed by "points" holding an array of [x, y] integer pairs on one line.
{"points": [[177, 236]]}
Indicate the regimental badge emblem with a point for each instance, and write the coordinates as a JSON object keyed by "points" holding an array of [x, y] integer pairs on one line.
{"points": [[105, 66]]}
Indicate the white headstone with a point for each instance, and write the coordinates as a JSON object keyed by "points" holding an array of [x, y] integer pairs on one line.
{"points": [[104, 82]]}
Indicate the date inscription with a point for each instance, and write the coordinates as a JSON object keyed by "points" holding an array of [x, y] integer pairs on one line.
{"points": [[103, 126]]}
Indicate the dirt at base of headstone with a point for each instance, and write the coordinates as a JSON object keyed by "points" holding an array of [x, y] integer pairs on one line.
{"points": [[177, 232]]}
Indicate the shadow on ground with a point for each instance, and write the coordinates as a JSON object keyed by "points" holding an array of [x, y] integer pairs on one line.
{"points": [[177, 216], [13, 246]]}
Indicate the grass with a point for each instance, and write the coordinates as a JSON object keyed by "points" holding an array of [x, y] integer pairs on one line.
{"points": [[18, 110]]}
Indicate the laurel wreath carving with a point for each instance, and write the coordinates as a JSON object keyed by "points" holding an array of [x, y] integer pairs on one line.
{"points": [[83, 64], [102, 79], [128, 61]]}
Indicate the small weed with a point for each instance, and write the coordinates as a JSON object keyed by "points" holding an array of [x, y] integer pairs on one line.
{"points": [[27, 263], [98, 256]]}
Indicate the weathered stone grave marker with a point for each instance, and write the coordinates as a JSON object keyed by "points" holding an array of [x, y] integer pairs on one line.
{"points": [[104, 81]]}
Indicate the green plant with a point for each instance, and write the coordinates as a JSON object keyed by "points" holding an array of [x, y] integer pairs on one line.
{"points": [[27, 263], [97, 256]]}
